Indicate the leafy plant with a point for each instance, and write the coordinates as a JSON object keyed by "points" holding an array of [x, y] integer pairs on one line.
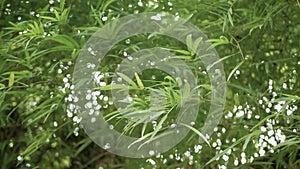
{"points": [[258, 43]]}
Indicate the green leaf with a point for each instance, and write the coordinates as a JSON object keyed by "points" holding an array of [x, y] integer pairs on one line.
{"points": [[292, 96], [11, 79], [157, 137], [224, 23], [66, 41], [2, 86], [144, 129], [183, 57], [235, 68], [189, 42], [127, 79], [159, 125], [197, 132], [184, 52], [85, 144], [49, 18], [139, 81], [62, 5], [247, 141], [196, 44], [229, 16], [221, 41], [2, 97], [115, 86], [186, 91]]}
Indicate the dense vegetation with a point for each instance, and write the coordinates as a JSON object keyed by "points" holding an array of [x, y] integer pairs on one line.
{"points": [[257, 41]]}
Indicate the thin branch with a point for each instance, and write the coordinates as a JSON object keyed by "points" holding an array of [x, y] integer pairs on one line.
{"points": [[238, 46]]}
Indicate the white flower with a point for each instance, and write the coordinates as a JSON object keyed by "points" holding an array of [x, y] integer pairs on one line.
{"points": [[225, 158], [151, 152], [140, 3], [102, 84], [65, 80], [240, 113], [19, 158], [284, 85], [105, 98], [222, 167], [88, 97], [289, 112], [262, 152], [230, 114], [236, 162], [104, 18], [93, 119], [271, 132], [197, 148], [228, 152], [243, 160], [187, 153], [272, 141], [152, 162]]}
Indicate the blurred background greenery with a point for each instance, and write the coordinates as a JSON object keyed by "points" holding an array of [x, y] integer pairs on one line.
{"points": [[257, 40]]}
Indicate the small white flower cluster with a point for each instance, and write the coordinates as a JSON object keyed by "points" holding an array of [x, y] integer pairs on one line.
{"points": [[190, 157], [270, 139], [92, 104], [51, 2], [20, 158], [240, 112], [98, 78], [265, 142], [236, 74], [70, 99], [63, 67], [152, 4], [187, 155], [92, 97], [197, 149], [7, 10], [279, 106]]}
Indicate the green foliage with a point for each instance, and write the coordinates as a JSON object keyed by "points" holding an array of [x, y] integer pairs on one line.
{"points": [[258, 42]]}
